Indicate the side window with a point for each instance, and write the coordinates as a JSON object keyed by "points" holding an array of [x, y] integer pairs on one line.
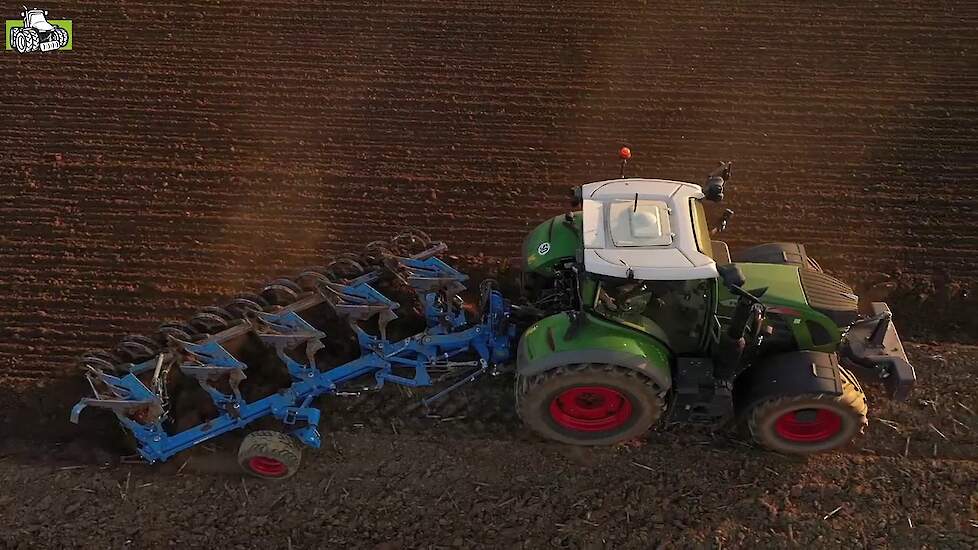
{"points": [[672, 311]]}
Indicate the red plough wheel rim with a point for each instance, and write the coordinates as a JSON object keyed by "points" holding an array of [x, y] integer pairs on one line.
{"points": [[808, 425], [266, 466], [591, 409]]}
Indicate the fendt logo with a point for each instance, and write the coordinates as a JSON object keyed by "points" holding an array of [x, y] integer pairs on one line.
{"points": [[35, 32]]}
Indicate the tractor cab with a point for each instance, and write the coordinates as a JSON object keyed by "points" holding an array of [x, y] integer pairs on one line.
{"points": [[648, 249], [35, 19]]}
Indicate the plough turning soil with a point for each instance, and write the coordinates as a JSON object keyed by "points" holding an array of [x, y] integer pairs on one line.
{"points": [[630, 315]]}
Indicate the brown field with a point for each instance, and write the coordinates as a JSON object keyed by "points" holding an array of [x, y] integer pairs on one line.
{"points": [[185, 151]]}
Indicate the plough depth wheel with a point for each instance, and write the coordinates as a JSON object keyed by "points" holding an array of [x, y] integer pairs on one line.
{"points": [[269, 454]]}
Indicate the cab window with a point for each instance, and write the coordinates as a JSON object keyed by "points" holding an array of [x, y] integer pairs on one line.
{"points": [[674, 312]]}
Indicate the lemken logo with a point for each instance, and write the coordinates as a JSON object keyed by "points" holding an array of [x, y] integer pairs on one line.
{"points": [[35, 32]]}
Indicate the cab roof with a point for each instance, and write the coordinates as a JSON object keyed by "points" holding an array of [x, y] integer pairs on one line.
{"points": [[643, 228]]}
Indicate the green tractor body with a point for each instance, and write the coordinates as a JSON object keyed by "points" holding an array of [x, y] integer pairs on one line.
{"points": [[641, 316]]}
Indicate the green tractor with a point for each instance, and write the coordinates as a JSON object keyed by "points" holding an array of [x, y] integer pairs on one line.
{"points": [[641, 318]]}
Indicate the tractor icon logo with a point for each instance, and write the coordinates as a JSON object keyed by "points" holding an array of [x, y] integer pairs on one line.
{"points": [[35, 32]]}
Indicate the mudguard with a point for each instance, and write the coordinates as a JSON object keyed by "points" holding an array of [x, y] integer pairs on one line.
{"points": [[560, 340], [792, 373]]}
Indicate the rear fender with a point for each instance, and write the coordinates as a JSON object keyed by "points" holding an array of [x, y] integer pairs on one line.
{"points": [[793, 373], [556, 341]]}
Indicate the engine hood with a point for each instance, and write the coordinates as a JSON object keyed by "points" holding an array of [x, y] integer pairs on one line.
{"points": [[830, 296], [791, 287]]}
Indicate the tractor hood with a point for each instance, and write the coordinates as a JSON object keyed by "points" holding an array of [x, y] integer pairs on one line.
{"points": [[793, 287], [551, 242]]}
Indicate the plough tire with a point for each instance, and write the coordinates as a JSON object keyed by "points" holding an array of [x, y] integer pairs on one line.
{"points": [[268, 454]]}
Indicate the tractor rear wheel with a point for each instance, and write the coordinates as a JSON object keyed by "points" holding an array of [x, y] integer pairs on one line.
{"points": [[811, 423], [589, 404], [269, 454]]}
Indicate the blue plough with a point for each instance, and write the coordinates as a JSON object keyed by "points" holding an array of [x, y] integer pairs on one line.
{"points": [[138, 394]]}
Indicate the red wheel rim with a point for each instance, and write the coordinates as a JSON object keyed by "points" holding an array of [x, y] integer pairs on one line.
{"points": [[266, 466], [591, 409], [808, 425]]}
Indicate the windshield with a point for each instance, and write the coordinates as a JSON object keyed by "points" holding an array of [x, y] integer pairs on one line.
{"points": [[674, 312], [701, 228], [34, 17]]}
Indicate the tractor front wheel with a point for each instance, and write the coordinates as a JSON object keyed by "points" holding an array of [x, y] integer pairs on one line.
{"points": [[810, 423], [28, 40], [589, 404], [269, 454]]}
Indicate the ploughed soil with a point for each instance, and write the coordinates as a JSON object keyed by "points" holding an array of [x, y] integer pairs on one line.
{"points": [[470, 479], [187, 151]]}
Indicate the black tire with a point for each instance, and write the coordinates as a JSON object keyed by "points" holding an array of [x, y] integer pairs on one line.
{"points": [[62, 36], [18, 42], [542, 403], [31, 40], [269, 454], [829, 422]]}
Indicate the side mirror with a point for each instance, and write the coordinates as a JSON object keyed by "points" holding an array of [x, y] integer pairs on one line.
{"points": [[715, 181], [731, 275], [727, 215], [577, 197], [714, 189]]}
